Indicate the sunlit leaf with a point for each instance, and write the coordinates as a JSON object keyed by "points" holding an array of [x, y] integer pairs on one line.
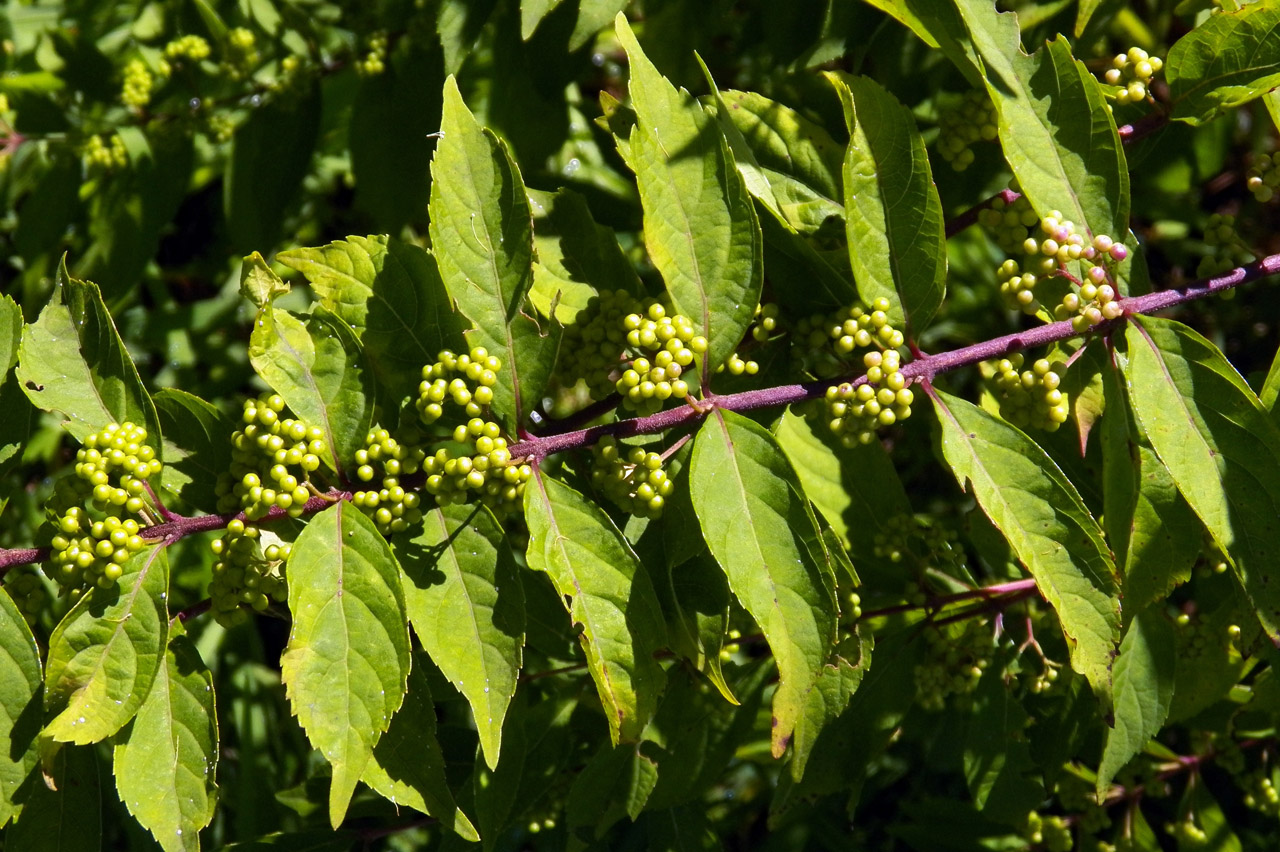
{"points": [[1230, 59], [20, 682]]}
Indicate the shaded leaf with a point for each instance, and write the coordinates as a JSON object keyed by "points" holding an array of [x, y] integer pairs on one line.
{"points": [[700, 226], [829, 695], [1144, 677], [72, 363], [197, 446], [695, 598], [1048, 526], [607, 592], [408, 766], [164, 760], [1230, 59], [466, 605], [616, 782], [347, 660], [757, 526], [997, 761], [20, 682], [66, 816], [893, 216], [482, 236], [106, 652], [1220, 447]]}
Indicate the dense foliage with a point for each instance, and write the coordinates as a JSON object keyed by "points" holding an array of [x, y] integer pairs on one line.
{"points": [[693, 425]]}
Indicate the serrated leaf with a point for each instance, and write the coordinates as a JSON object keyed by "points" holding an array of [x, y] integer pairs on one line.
{"points": [[347, 661], [616, 782], [700, 226], [259, 282], [390, 293], [1057, 133], [1230, 59], [893, 216], [1219, 445], [696, 599], [408, 766], [482, 236], [66, 816], [318, 367], [829, 695], [10, 334], [757, 526], [1046, 523], [1144, 676], [466, 605], [197, 446], [607, 592], [106, 651], [997, 760], [164, 760], [71, 362], [20, 710]]}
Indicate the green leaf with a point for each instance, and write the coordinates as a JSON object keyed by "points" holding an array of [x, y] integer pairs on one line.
{"points": [[607, 592], [829, 695], [1219, 445], [106, 652], [16, 426], [531, 14], [893, 216], [390, 294], [696, 600], [757, 526], [997, 760], [270, 155], [10, 334], [347, 661], [1229, 60], [482, 236], [63, 813], [72, 363], [164, 760], [466, 605], [196, 447], [616, 782], [1271, 387], [20, 681], [315, 840], [318, 367], [1144, 676], [1046, 523], [700, 226], [408, 766], [1057, 133], [259, 282], [900, 10]]}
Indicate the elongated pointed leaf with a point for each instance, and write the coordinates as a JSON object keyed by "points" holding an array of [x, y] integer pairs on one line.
{"points": [[997, 761], [1046, 523], [482, 237], [466, 605], [1230, 59], [105, 653], [829, 695], [66, 817], [695, 598], [700, 226], [595, 570], [164, 761], [20, 681], [1144, 676], [757, 526], [616, 782], [408, 766], [319, 369], [347, 660], [72, 363], [1219, 445], [893, 216], [390, 293], [1057, 134]]}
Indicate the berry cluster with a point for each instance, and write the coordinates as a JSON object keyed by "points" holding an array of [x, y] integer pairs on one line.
{"points": [[666, 346], [138, 82], [373, 62], [856, 412], [956, 656], [1261, 794], [631, 477], [1051, 832], [1010, 223], [101, 155], [972, 120], [25, 587], [466, 380], [934, 546], [1029, 398], [593, 344], [272, 458], [240, 54], [1263, 177], [392, 508], [245, 573], [114, 466], [765, 325], [825, 343], [1131, 74], [92, 553], [1043, 680], [1229, 251], [187, 49]]}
